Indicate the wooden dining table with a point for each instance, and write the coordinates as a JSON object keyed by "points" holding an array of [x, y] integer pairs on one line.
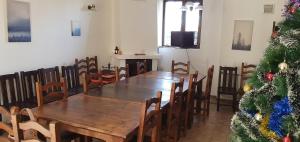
{"points": [[145, 86], [110, 113]]}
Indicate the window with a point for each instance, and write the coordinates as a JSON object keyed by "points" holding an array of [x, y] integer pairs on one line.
{"points": [[181, 16]]}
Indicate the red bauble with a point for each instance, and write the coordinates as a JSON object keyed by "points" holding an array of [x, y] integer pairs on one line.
{"points": [[293, 10], [274, 34], [269, 76], [287, 139]]}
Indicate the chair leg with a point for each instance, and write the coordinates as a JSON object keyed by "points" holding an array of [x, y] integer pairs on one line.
{"points": [[176, 136], [208, 106], [190, 116], [186, 121], [199, 106], [205, 107], [218, 102], [172, 134]]}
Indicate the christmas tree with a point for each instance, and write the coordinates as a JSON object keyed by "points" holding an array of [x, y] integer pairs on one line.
{"points": [[270, 110]]}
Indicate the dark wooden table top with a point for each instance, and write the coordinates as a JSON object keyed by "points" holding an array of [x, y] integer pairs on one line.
{"points": [[142, 87], [107, 118], [114, 116]]}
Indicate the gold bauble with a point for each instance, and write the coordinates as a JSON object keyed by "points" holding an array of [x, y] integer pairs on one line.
{"points": [[283, 66], [247, 88]]}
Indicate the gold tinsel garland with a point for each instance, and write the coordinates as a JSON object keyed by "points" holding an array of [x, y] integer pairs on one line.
{"points": [[265, 131]]}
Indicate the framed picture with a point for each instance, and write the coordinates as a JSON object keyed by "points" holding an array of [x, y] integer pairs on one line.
{"points": [[76, 28], [242, 36], [18, 21]]}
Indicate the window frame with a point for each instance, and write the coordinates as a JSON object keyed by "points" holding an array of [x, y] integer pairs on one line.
{"points": [[183, 20]]}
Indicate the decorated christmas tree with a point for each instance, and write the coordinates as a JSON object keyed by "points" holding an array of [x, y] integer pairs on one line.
{"points": [[270, 108]]}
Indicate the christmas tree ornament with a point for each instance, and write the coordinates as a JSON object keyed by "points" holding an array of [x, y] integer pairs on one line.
{"points": [[271, 109], [287, 138], [274, 34], [283, 66], [258, 117], [263, 128], [293, 10], [269, 76], [281, 109], [247, 87]]}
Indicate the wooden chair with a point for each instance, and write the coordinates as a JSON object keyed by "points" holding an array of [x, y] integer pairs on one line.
{"points": [[227, 85], [10, 90], [49, 75], [47, 93], [108, 75], [174, 111], [180, 67], [52, 134], [94, 80], [82, 66], [188, 104], [6, 126], [70, 73], [150, 119], [91, 82], [142, 67], [246, 72], [205, 98], [28, 80], [122, 73], [92, 65]]}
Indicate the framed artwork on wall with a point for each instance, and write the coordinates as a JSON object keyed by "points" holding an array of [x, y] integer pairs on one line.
{"points": [[242, 36], [18, 21], [76, 28]]}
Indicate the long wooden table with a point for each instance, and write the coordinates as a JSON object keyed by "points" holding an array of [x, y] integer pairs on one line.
{"points": [[110, 113], [108, 119], [142, 87]]}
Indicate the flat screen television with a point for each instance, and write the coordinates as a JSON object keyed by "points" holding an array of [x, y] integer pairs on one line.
{"points": [[183, 39]]}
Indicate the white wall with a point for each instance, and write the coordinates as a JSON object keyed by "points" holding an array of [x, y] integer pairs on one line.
{"points": [[135, 24], [209, 53], [247, 10], [217, 35], [52, 43]]}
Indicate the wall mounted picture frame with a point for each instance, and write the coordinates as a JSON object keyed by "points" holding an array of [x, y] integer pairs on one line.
{"points": [[18, 21], [242, 36], [76, 28]]}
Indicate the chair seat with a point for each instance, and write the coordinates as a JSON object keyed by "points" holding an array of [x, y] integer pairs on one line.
{"points": [[108, 76], [96, 81], [107, 82]]}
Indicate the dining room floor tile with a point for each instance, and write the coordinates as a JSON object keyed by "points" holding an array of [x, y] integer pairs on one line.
{"points": [[215, 128]]}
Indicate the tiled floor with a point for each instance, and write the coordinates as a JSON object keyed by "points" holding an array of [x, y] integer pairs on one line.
{"points": [[216, 128]]}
